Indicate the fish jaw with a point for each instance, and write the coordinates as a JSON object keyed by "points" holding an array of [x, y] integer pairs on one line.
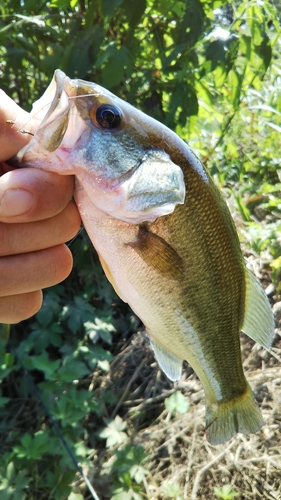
{"points": [[56, 128]]}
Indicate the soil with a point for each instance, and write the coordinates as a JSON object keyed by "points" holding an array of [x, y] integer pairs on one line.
{"points": [[179, 453]]}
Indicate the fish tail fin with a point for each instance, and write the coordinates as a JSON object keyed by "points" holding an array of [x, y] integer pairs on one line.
{"points": [[225, 419]]}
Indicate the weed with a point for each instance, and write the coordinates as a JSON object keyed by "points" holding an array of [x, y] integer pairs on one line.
{"points": [[225, 493]]}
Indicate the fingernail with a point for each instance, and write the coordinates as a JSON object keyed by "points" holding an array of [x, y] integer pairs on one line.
{"points": [[15, 202]]}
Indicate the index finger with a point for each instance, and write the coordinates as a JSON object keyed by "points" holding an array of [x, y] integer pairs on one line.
{"points": [[49, 192], [12, 120]]}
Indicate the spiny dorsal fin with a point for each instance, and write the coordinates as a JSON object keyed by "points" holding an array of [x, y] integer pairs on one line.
{"points": [[170, 364], [258, 321]]}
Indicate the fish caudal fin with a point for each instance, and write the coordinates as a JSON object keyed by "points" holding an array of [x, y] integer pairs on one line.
{"points": [[258, 321], [224, 420]]}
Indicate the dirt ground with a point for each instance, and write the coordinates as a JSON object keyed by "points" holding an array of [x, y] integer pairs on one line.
{"points": [[178, 450]]}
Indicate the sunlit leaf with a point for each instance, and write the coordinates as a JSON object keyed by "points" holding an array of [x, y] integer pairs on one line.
{"points": [[113, 433], [172, 490], [177, 403], [226, 492]]}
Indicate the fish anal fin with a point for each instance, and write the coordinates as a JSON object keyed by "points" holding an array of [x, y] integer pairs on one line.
{"points": [[226, 419], [170, 364], [258, 321], [157, 253]]}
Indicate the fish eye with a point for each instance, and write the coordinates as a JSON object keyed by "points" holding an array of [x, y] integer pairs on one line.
{"points": [[108, 116]]}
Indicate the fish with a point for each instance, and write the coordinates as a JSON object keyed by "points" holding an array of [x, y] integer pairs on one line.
{"points": [[165, 239]]}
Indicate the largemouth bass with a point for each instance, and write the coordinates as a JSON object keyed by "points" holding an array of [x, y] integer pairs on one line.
{"points": [[164, 236]]}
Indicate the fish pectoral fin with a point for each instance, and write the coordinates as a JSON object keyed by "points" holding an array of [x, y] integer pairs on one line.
{"points": [[258, 321], [170, 364], [225, 419], [157, 253]]}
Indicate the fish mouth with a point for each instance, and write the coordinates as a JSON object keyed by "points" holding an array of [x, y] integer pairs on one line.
{"points": [[51, 118]]}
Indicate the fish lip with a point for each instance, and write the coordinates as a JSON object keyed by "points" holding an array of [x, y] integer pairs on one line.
{"points": [[64, 83], [59, 77]]}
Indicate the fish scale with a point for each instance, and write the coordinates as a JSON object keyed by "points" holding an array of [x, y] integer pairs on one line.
{"points": [[164, 236]]}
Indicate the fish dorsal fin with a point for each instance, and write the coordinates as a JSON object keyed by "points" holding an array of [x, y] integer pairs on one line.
{"points": [[157, 253], [258, 321], [170, 364]]}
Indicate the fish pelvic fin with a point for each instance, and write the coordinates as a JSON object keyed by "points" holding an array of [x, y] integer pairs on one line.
{"points": [[170, 364], [226, 419], [258, 321]]}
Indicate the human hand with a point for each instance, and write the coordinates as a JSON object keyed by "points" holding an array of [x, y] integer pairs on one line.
{"points": [[37, 216]]}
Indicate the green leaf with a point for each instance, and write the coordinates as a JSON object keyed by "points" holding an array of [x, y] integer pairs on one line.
{"points": [[10, 471], [95, 355], [103, 365], [60, 4], [171, 490], [76, 312], [225, 493], [192, 22], [245, 213], [215, 54], [256, 28], [13, 483], [127, 495], [75, 496], [234, 81], [32, 448], [113, 433], [134, 11], [177, 403], [4, 401], [138, 472], [42, 362], [264, 50], [108, 7], [115, 68], [99, 328], [273, 125], [70, 370]]}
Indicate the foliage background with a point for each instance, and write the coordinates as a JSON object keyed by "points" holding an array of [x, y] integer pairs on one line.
{"points": [[210, 70]]}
